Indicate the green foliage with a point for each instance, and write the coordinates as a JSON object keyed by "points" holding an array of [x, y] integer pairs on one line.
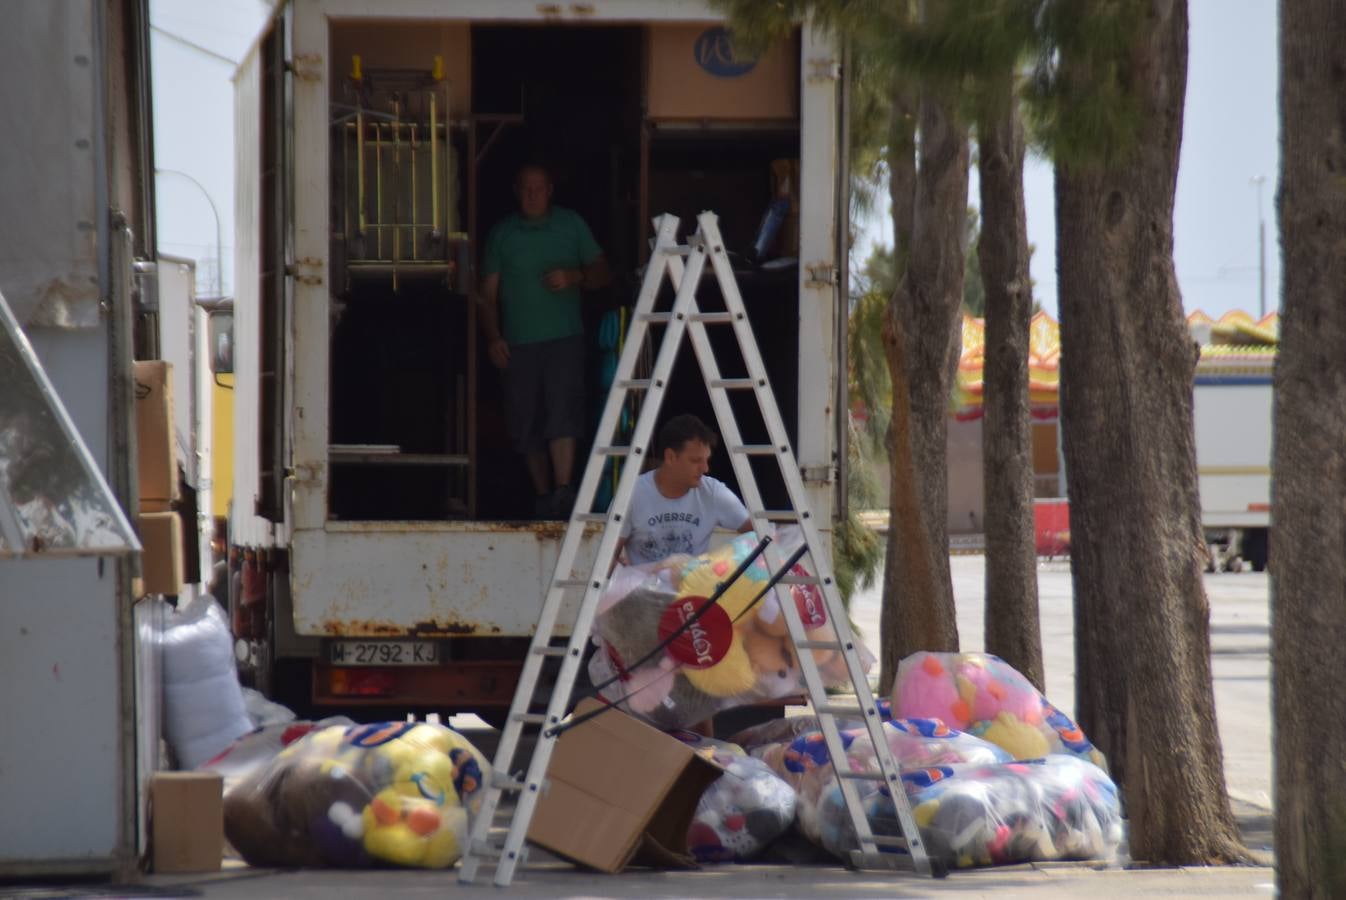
{"points": [[1081, 101], [870, 383], [974, 291]]}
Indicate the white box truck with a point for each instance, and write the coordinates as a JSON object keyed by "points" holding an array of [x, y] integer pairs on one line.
{"points": [[383, 549], [1232, 415]]}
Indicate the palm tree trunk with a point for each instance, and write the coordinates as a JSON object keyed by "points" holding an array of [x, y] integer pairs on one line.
{"points": [[1308, 564], [1144, 691], [918, 610], [1012, 629]]}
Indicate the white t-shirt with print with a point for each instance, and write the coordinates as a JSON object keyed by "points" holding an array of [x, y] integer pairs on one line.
{"points": [[657, 527]]}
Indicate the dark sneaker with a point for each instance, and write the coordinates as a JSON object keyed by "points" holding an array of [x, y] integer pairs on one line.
{"points": [[562, 501]]}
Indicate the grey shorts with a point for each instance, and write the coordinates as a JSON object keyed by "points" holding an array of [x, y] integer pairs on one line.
{"points": [[544, 392]]}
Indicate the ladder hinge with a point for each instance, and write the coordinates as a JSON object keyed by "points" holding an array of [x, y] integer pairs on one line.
{"points": [[824, 69], [821, 274], [824, 474]]}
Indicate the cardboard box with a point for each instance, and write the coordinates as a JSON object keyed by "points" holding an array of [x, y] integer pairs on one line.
{"points": [[156, 444], [161, 562], [186, 821], [693, 72], [620, 793]]}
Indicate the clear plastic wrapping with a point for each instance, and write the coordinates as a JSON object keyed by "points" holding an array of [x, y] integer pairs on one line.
{"points": [[983, 695], [805, 763], [1056, 808], [390, 793], [742, 811], [736, 653]]}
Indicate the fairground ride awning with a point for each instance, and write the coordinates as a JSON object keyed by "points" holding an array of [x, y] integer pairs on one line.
{"points": [[1234, 345]]}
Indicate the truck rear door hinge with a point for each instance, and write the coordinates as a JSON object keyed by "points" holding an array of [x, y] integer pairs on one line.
{"points": [[306, 66], [307, 270], [821, 274], [824, 474], [824, 69]]}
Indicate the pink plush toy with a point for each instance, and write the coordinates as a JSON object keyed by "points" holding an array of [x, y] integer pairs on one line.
{"points": [[990, 687], [926, 689]]}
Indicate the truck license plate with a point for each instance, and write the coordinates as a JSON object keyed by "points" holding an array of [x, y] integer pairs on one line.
{"points": [[383, 653]]}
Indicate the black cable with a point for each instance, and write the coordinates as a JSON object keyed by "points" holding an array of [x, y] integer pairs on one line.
{"points": [[574, 721], [692, 620]]}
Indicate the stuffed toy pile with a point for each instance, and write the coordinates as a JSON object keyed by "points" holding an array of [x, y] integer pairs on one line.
{"points": [[1055, 808], [741, 812], [983, 695], [805, 764], [391, 793], [737, 653]]}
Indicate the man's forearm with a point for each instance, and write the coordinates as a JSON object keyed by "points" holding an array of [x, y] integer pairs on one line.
{"points": [[595, 275], [490, 319]]}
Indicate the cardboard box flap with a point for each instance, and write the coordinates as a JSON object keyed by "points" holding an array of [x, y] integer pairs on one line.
{"points": [[620, 760], [620, 791]]}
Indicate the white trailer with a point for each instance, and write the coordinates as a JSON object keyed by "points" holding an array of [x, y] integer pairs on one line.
{"points": [[78, 682], [379, 516], [1232, 413]]}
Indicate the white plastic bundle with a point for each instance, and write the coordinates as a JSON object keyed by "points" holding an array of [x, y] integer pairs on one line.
{"points": [[203, 702]]}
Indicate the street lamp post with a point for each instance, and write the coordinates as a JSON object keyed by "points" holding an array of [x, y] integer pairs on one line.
{"points": [[219, 234], [1259, 180]]}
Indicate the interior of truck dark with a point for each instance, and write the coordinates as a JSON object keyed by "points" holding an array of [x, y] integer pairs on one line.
{"points": [[423, 166]]}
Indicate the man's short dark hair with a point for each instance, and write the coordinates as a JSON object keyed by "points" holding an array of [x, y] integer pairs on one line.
{"points": [[678, 430], [536, 166]]}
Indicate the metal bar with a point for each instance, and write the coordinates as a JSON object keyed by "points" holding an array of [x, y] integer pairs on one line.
{"points": [[434, 166]]}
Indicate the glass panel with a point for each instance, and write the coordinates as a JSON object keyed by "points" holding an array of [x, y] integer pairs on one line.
{"points": [[53, 499]]}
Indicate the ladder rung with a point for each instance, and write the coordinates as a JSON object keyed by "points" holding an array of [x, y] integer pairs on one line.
{"points": [[888, 840], [711, 318], [862, 776], [571, 583], [777, 515], [494, 851], [550, 651], [799, 579], [591, 517], [678, 250], [529, 718], [506, 783], [754, 449], [633, 384], [655, 318], [839, 709], [818, 645], [733, 384], [612, 451]]}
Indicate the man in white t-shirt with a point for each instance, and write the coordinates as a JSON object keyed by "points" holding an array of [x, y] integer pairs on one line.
{"points": [[676, 507]]}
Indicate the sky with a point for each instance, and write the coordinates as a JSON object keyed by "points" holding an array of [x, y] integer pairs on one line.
{"points": [[1230, 137]]}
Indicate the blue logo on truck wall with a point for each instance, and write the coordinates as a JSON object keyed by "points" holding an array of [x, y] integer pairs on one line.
{"points": [[714, 51]]}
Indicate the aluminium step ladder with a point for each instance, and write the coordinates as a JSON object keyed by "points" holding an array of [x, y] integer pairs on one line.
{"points": [[505, 844]]}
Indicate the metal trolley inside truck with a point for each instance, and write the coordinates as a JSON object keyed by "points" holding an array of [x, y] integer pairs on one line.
{"points": [[383, 551]]}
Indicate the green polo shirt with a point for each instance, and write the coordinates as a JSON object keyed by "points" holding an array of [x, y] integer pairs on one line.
{"points": [[521, 251]]}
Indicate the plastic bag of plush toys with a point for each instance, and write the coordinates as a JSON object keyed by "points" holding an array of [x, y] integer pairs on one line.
{"points": [[806, 765], [1056, 808], [742, 811], [983, 695], [738, 652], [391, 793]]}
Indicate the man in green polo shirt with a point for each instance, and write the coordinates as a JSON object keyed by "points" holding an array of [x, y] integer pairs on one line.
{"points": [[536, 262]]}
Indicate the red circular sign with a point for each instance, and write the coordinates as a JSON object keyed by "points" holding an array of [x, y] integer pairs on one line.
{"points": [[809, 601], [706, 642]]}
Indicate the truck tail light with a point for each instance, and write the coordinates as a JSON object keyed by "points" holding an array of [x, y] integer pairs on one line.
{"points": [[361, 682]]}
